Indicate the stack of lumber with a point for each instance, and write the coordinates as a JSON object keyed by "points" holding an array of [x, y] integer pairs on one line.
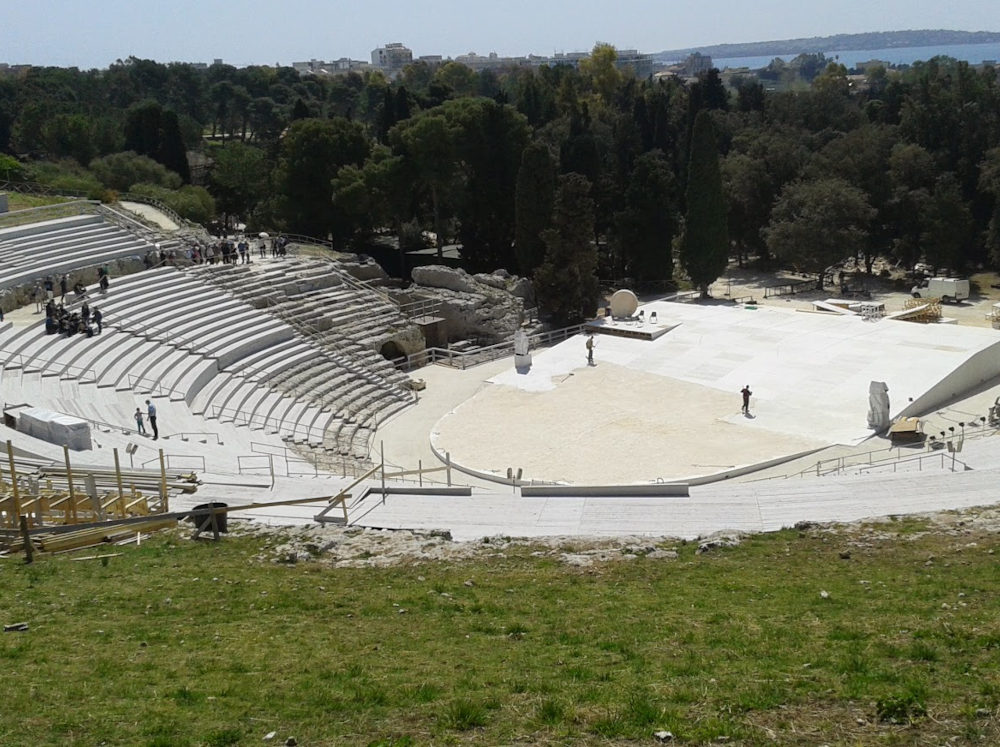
{"points": [[105, 534]]}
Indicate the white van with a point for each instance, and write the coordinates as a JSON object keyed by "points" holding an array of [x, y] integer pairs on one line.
{"points": [[949, 290]]}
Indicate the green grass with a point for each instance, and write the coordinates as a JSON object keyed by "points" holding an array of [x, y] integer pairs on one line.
{"points": [[175, 643]]}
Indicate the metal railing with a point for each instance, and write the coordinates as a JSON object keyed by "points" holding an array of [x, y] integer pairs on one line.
{"points": [[467, 358], [789, 289], [947, 460], [417, 309], [870, 460], [178, 461], [144, 385]]}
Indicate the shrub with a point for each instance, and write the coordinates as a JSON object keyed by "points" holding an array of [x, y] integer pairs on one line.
{"points": [[123, 170], [11, 170]]}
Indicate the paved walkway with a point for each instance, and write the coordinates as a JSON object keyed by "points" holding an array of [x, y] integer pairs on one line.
{"points": [[151, 214]]}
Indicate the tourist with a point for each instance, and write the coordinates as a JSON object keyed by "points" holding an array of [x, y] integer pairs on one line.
{"points": [[36, 295], [98, 318], [63, 286], [85, 312], [590, 350], [139, 427], [745, 391], [151, 414]]}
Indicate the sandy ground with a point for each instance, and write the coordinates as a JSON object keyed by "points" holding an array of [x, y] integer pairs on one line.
{"points": [[631, 427]]}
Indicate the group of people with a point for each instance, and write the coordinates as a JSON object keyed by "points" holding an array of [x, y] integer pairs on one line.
{"points": [[62, 321], [43, 293], [150, 416]]}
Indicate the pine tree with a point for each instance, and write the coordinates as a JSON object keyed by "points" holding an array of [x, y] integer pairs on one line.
{"points": [[566, 283], [704, 247]]}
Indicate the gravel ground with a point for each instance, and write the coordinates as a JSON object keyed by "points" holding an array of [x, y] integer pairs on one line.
{"points": [[356, 547]]}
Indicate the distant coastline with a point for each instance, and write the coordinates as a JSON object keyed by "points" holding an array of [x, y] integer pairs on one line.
{"points": [[788, 48]]}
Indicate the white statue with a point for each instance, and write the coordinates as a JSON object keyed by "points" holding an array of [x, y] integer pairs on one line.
{"points": [[521, 342], [878, 406], [522, 355]]}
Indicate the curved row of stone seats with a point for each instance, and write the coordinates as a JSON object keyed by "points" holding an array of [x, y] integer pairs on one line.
{"points": [[267, 275], [252, 372], [113, 426], [176, 309], [61, 245], [154, 362], [349, 381], [23, 250]]}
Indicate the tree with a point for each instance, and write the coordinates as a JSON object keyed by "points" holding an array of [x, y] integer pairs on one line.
{"points": [[912, 174], [989, 182], [238, 178], [861, 157], [120, 171], [566, 283], [535, 195], [312, 152], [816, 223], [704, 249], [428, 143], [748, 195], [70, 135], [491, 139], [171, 151], [948, 227], [647, 225], [151, 130], [602, 70]]}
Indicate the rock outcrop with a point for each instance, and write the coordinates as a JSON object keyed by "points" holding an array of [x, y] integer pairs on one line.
{"points": [[489, 306]]}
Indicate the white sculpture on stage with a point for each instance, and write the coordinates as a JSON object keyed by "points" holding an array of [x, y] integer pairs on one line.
{"points": [[878, 406], [522, 355]]}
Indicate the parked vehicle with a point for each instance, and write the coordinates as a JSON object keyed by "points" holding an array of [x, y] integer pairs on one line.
{"points": [[949, 290]]}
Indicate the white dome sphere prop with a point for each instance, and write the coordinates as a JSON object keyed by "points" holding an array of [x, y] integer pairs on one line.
{"points": [[623, 304]]}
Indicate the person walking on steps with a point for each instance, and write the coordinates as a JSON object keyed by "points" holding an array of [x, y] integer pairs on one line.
{"points": [[745, 391], [151, 414], [139, 427]]}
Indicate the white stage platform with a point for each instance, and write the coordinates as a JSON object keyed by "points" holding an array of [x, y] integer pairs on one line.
{"points": [[669, 408]]}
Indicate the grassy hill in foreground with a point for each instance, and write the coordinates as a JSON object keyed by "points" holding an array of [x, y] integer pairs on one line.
{"points": [[880, 634], [816, 44]]}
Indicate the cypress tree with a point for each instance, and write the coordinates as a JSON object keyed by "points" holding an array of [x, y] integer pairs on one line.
{"points": [[566, 283], [704, 247], [172, 153], [536, 188]]}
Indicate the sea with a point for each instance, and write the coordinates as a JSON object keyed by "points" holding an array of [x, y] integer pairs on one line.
{"points": [[974, 54]]}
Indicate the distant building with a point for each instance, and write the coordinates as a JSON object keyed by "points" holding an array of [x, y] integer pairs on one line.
{"points": [[392, 58], [641, 65], [872, 64], [697, 63], [343, 66]]}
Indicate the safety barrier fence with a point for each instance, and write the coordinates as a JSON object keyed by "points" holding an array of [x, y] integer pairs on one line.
{"points": [[467, 358]]}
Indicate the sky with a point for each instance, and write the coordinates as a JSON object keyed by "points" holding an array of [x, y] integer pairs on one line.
{"points": [[89, 34]]}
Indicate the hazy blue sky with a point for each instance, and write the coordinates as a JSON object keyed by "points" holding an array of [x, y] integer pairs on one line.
{"points": [[94, 33]]}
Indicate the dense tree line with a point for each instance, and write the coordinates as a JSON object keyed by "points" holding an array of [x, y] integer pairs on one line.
{"points": [[552, 172]]}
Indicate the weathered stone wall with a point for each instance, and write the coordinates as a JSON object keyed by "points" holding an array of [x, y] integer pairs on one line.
{"points": [[489, 306]]}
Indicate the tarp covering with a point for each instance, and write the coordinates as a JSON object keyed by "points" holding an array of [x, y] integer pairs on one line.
{"points": [[55, 427]]}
